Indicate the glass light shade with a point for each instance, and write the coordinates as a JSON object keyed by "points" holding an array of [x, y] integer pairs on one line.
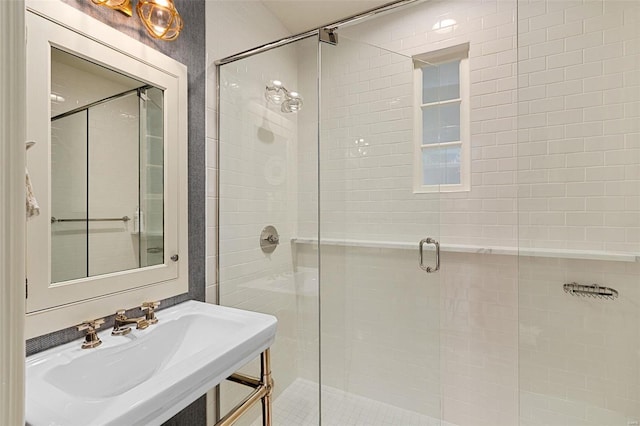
{"points": [[275, 92], [123, 6], [160, 18], [293, 103]]}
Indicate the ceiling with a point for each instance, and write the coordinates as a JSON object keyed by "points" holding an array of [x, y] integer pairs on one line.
{"points": [[302, 15]]}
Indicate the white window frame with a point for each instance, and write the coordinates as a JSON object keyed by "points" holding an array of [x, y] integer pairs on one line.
{"points": [[461, 53]]}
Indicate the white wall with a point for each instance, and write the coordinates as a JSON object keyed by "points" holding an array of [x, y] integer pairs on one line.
{"points": [[232, 27], [579, 160], [579, 358]]}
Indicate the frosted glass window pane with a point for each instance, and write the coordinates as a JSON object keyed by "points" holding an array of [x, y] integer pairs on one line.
{"points": [[449, 81], [441, 123], [441, 166], [430, 84], [441, 82]]}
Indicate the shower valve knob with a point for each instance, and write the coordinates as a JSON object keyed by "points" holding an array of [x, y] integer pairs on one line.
{"points": [[269, 239]]}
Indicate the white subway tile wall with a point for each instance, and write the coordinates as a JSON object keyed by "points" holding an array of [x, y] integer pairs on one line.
{"points": [[485, 216], [380, 328], [579, 358], [479, 339], [579, 79], [231, 28], [579, 119]]}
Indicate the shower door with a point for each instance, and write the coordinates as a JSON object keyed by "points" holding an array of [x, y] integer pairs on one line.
{"points": [[380, 311], [358, 316]]}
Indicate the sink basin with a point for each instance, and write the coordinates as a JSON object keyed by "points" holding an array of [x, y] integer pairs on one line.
{"points": [[147, 376]]}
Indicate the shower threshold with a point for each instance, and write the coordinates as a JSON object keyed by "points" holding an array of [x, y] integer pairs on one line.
{"points": [[298, 406]]}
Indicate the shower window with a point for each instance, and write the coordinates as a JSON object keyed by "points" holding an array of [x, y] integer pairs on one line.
{"points": [[442, 141]]}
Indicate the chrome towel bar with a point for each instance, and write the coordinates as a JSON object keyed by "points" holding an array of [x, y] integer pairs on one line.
{"points": [[106, 219]]}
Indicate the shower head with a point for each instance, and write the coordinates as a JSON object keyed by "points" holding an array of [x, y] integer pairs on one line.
{"points": [[277, 94]]}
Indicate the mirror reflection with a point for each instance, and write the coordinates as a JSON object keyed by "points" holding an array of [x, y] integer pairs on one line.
{"points": [[107, 170]]}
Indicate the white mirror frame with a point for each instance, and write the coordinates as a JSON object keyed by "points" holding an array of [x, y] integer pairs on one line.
{"points": [[52, 307]]}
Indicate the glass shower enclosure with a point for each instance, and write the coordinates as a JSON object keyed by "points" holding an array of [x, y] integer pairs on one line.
{"points": [[332, 199]]}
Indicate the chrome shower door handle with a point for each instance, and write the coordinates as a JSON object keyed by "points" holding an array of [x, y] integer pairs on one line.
{"points": [[429, 269]]}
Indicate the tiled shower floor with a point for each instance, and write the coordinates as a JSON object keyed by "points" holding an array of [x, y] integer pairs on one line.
{"points": [[298, 406]]}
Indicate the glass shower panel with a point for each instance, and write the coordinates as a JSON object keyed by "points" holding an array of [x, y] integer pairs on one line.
{"points": [[268, 176], [69, 256], [151, 210], [380, 313], [579, 212], [113, 144]]}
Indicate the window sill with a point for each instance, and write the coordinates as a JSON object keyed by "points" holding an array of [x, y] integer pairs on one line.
{"points": [[441, 189]]}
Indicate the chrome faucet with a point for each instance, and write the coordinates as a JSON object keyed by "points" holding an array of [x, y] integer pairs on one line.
{"points": [[121, 323]]}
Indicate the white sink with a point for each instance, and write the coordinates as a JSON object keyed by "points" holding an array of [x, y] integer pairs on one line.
{"points": [[147, 376]]}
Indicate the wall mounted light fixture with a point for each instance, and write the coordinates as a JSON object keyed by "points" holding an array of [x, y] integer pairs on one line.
{"points": [[160, 17], [277, 94], [123, 6]]}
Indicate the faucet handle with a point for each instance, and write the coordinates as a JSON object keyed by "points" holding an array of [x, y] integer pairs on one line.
{"points": [[152, 305], [90, 324], [150, 314], [91, 339]]}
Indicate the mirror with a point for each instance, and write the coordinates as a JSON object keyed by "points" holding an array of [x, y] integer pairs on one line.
{"points": [[106, 170], [109, 170]]}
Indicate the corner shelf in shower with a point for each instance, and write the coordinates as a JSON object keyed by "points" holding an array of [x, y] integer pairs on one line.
{"points": [[460, 248]]}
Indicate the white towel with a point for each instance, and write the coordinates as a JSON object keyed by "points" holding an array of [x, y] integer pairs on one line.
{"points": [[33, 209]]}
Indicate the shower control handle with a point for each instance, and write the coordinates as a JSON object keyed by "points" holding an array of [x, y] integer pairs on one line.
{"points": [[429, 269]]}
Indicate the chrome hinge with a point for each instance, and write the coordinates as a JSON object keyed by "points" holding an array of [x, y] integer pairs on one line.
{"points": [[328, 35]]}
